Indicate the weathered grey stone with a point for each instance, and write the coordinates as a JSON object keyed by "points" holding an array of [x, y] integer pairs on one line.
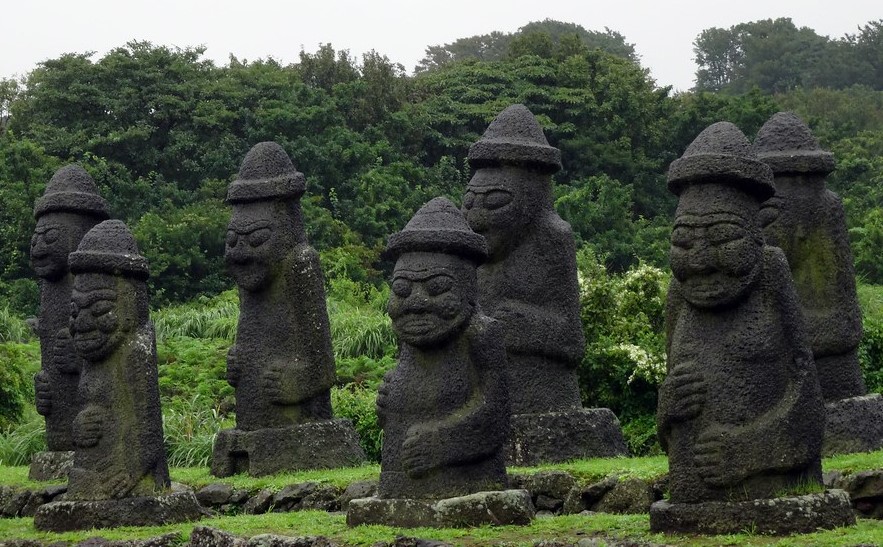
{"points": [[405, 541], [807, 221], [260, 502], [529, 282], [562, 436], [272, 540], [481, 508], [69, 208], [740, 413], [205, 536], [553, 484], [63, 516], [358, 489], [774, 516], [13, 500], [444, 407], [307, 495], [282, 365], [854, 424], [582, 499], [214, 494], [48, 465], [324, 444], [865, 490], [628, 496]]}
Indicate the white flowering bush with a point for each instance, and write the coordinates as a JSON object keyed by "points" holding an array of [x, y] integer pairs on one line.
{"points": [[623, 318]]}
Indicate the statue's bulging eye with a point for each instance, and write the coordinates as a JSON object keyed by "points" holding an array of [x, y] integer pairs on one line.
{"points": [[438, 285], [497, 198], [725, 233], [259, 237], [51, 235], [681, 238], [401, 288], [232, 238]]}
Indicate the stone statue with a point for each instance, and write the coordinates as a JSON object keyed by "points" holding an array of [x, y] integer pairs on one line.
{"points": [[740, 413], [529, 284], [282, 365], [808, 223], [120, 475], [444, 408], [69, 208]]}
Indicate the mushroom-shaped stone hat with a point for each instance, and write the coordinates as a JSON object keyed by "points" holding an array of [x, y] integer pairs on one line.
{"points": [[438, 227], [786, 144], [109, 248], [721, 153], [71, 189], [515, 137], [266, 173]]}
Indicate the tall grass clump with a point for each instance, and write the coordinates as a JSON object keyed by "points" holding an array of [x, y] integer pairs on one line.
{"points": [[13, 328], [214, 317], [18, 365], [189, 427], [19, 442]]}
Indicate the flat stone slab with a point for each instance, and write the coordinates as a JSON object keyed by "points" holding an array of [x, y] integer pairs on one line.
{"points": [[49, 466], [495, 508], [563, 436], [776, 516], [854, 425], [65, 516], [325, 444]]}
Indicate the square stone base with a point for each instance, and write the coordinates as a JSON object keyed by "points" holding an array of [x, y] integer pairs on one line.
{"points": [[775, 516], [562, 436], [315, 445], [64, 516], [854, 425], [495, 508], [50, 466]]}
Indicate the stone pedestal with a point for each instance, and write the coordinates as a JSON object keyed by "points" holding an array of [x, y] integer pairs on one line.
{"points": [[495, 508], [854, 425], [562, 436], [179, 505], [775, 516], [316, 445], [49, 466]]}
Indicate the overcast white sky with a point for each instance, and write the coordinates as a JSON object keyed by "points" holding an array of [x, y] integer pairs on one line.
{"points": [[662, 31]]}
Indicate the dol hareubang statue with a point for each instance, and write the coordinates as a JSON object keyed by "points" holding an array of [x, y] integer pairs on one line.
{"points": [[282, 365], [807, 221], [119, 476], [529, 284], [444, 407], [69, 208], [740, 412]]}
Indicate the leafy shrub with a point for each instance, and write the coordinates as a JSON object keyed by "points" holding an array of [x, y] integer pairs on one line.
{"points": [[359, 405], [191, 369], [360, 331], [870, 350], [18, 365], [363, 371], [624, 362]]}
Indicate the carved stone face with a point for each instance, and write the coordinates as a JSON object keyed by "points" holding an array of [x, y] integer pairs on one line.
{"points": [[715, 250], [103, 314], [433, 295], [256, 243], [52, 241], [496, 205]]}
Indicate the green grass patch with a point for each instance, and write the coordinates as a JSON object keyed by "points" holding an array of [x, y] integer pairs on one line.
{"points": [[569, 528], [198, 477], [850, 463], [587, 471]]}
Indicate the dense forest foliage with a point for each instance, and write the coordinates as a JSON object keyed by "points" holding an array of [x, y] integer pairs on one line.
{"points": [[162, 131]]}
